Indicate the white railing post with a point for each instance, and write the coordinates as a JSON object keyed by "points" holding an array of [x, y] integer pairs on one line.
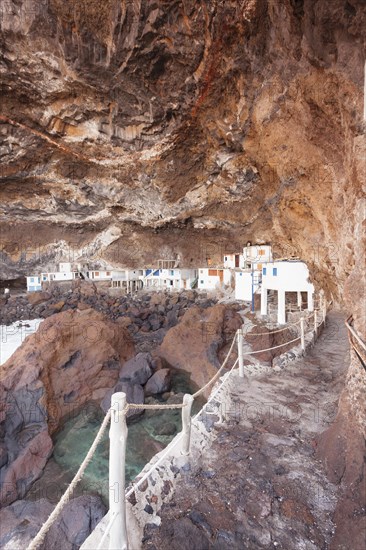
{"points": [[186, 422], [240, 352], [302, 328], [117, 456]]}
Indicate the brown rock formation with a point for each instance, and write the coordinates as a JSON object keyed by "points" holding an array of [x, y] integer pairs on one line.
{"points": [[132, 130], [193, 345], [342, 448], [73, 358]]}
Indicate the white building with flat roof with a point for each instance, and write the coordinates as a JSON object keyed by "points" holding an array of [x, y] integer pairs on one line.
{"points": [[210, 278], [172, 278], [256, 255], [233, 261], [285, 276], [247, 283]]}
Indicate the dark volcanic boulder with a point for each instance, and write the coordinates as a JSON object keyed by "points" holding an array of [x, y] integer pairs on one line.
{"points": [[160, 382], [21, 521], [134, 394], [137, 370]]}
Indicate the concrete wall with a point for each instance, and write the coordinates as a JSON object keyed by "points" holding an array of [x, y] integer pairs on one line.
{"points": [[291, 276]]}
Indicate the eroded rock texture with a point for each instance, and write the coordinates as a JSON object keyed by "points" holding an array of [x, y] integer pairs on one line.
{"points": [[181, 128], [72, 360]]}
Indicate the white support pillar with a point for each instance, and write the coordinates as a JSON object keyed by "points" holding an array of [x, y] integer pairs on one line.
{"points": [[299, 300], [281, 313], [310, 301], [240, 353], [264, 300], [117, 456], [186, 422]]}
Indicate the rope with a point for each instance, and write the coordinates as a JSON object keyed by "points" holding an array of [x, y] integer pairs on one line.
{"points": [[169, 448], [66, 496], [279, 330], [212, 397], [274, 347], [154, 406], [199, 392]]}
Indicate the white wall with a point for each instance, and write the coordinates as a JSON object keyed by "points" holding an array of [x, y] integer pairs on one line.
{"points": [[258, 253], [291, 277], [243, 285], [206, 281], [35, 285]]}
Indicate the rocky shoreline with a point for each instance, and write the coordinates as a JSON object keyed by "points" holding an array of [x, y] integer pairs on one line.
{"points": [[90, 345]]}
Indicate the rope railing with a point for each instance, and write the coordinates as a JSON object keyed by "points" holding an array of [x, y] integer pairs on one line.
{"points": [[215, 377], [361, 353], [37, 541], [118, 423]]}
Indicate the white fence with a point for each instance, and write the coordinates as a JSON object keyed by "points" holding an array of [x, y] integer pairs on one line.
{"points": [[117, 527]]}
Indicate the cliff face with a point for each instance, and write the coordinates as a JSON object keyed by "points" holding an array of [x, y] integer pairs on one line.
{"points": [[152, 129]]}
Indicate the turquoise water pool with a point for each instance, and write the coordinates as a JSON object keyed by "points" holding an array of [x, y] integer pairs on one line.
{"points": [[146, 437]]}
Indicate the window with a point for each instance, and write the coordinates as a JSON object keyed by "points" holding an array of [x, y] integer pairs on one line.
{"points": [[97, 273], [262, 252], [274, 272], [225, 258], [108, 273], [172, 272], [45, 277], [201, 270], [264, 271], [32, 279], [201, 282]]}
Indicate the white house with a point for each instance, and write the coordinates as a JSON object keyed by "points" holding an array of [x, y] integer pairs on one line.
{"points": [[247, 283], [176, 278], [99, 275], [34, 283], [256, 255], [285, 276], [232, 261], [210, 278], [130, 279]]}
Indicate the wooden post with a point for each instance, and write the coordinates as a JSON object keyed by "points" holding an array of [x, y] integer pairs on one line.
{"points": [[302, 328], [186, 422], [240, 352], [117, 456]]}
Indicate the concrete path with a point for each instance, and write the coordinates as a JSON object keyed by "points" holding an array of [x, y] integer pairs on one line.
{"points": [[259, 484]]}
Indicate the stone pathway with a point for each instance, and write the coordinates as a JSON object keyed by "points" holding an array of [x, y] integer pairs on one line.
{"points": [[259, 484]]}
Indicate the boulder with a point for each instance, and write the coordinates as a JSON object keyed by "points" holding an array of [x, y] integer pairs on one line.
{"points": [[137, 370], [134, 394], [35, 298], [160, 382], [72, 359], [21, 521], [194, 343]]}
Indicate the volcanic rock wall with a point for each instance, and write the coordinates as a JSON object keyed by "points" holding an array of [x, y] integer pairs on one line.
{"points": [[156, 129]]}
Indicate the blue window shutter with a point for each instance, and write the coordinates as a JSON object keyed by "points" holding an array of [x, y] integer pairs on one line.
{"points": [[275, 271], [264, 271]]}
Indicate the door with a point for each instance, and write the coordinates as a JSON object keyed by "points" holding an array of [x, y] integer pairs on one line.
{"points": [[236, 260]]}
